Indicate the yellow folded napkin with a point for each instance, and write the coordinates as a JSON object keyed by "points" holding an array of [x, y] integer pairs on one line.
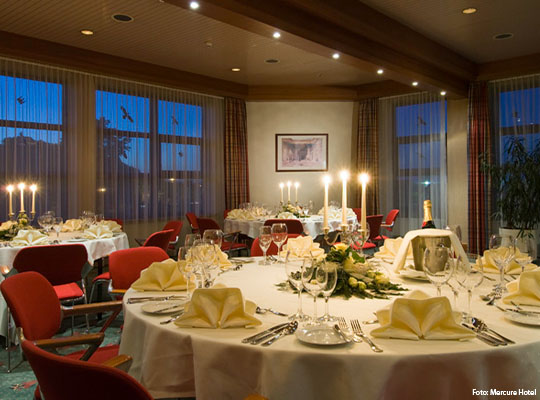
{"points": [[221, 257], [6, 225], [238, 213], [513, 267], [335, 213], [29, 238], [419, 316], [525, 290], [391, 248], [163, 275], [301, 247], [401, 256], [72, 225], [98, 232], [112, 225], [218, 308], [286, 215]]}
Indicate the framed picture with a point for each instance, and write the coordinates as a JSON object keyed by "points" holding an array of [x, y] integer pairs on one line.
{"points": [[301, 152]]}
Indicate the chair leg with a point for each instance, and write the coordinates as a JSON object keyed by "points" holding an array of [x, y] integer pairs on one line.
{"points": [[8, 345]]}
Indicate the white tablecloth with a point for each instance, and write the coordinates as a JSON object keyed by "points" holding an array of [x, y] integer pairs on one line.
{"points": [[171, 361], [313, 226]]}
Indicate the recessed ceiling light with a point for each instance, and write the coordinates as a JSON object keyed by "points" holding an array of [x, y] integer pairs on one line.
{"points": [[209, 43], [194, 5], [415, 83], [271, 61], [87, 32], [380, 71], [276, 35], [335, 56], [502, 36], [469, 10], [235, 69], [122, 18], [443, 93]]}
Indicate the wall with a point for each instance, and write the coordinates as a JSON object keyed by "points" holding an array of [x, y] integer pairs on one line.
{"points": [[265, 119]]}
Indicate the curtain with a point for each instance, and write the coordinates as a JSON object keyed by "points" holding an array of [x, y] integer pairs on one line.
{"points": [[367, 153], [236, 156], [412, 158], [479, 183], [125, 149]]}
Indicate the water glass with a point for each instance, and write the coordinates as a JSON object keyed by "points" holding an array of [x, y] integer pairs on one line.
{"points": [[215, 235], [265, 240], [191, 238], [469, 273], [523, 256], [58, 222], [314, 280], [204, 254], [279, 236], [293, 268], [501, 255], [331, 270], [187, 269], [438, 265]]}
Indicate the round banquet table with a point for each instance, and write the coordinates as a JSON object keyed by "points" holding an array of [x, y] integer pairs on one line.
{"points": [[213, 363], [313, 226]]}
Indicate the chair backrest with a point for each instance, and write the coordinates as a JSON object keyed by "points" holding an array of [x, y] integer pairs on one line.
{"points": [[159, 239], [206, 223], [358, 212], [60, 264], [225, 213], [192, 219], [117, 220], [391, 218], [293, 225], [62, 378], [256, 250], [176, 226], [374, 222], [33, 303], [126, 265]]}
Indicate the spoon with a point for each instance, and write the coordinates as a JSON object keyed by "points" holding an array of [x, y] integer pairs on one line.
{"points": [[260, 310], [290, 330]]}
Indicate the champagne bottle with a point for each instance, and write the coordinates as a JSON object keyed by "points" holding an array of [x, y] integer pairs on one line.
{"points": [[428, 218]]}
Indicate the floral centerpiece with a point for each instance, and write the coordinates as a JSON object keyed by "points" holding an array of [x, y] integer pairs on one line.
{"points": [[9, 229], [290, 209]]}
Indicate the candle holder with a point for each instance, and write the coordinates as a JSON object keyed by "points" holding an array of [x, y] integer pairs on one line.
{"points": [[11, 215], [32, 217]]}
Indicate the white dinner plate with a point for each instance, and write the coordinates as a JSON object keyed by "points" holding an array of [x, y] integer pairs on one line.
{"points": [[163, 307], [320, 336], [76, 240], [525, 319], [410, 273]]}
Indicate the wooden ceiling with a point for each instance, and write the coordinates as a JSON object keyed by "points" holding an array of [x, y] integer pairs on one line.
{"points": [[412, 40]]}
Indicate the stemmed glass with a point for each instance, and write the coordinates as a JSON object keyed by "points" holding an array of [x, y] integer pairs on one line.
{"points": [[293, 268], [360, 237], [523, 258], [502, 256], [191, 238], [331, 270], [438, 265], [215, 235], [265, 240], [187, 269], [204, 252], [46, 221], [469, 273], [58, 222], [314, 280], [279, 236]]}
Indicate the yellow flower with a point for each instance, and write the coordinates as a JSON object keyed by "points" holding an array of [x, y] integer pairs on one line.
{"points": [[341, 246], [353, 282]]}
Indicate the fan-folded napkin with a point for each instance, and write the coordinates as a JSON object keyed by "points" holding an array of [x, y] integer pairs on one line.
{"points": [[98, 232], [72, 225], [335, 213], [29, 238], [6, 225], [241, 214], [525, 290], [399, 260], [301, 247], [286, 215], [419, 316], [218, 308], [513, 267], [163, 275], [391, 248], [112, 225], [221, 257]]}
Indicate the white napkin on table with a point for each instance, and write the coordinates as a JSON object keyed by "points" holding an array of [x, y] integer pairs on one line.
{"points": [[98, 232], [29, 238], [335, 213], [72, 225], [513, 268], [399, 260], [286, 215], [218, 308], [241, 214], [419, 316], [525, 290], [164, 275], [391, 247], [301, 247], [112, 225], [6, 225], [221, 257]]}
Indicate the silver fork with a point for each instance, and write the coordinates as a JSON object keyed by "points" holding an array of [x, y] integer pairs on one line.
{"points": [[343, 326], [357, 329]]}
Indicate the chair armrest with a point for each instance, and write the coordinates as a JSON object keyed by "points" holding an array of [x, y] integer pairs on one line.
{"points": [[232, 236], [119, 292], [121, 361], [140, 242], [92, 308], [92, 339]]}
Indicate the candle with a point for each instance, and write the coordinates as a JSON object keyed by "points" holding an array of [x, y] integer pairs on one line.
{"points": [[281, 185], [344, 178], [289, 191], [10, 191], [296, 185], [21, 187], [33, 188], [326, 180], [363, 178]]}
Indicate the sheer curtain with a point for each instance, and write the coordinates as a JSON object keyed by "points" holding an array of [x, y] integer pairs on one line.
{"points": [[412, 162], [128, 150]]}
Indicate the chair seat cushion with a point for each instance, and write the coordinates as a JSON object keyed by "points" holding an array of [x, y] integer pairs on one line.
{"points": [[68, 291], [106, 276], [230, 245]]}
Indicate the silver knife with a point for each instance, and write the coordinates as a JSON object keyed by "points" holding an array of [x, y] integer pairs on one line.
{"points": [[270, 335], [265, 332]]}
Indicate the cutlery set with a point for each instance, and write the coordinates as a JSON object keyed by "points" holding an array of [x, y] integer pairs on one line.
{"points": [[135, 300], [486, 334], [269, 336], [358, 334]]}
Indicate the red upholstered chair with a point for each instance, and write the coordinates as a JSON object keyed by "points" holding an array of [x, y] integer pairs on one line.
{"points": [[225, 213], [388, 223], [126, 265], [230, 240], [358, 212], [192, 219], [36, 310], [61, 378], [159, 239], [176, 226], [293, 225], [256, 250]]}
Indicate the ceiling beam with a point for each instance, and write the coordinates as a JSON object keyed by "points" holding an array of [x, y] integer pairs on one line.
{"points": [[510, 67], [299, 93], [323, 27], [41, 51]]}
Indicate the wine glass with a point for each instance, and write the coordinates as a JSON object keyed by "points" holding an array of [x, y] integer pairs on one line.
{"points": [[215, 235], [360, 237], [469, 273], [331, 270], [191, 238], [265, 240], [279, 236], [438, 265], [99, 218], [314, 280], [502, 256], [523, 256], [58, 222], [187, 269], [293, 268], [204, 253], [45, 221]]}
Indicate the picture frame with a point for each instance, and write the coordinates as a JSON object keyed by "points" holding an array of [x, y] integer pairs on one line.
{"points": [[301, 152]]}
